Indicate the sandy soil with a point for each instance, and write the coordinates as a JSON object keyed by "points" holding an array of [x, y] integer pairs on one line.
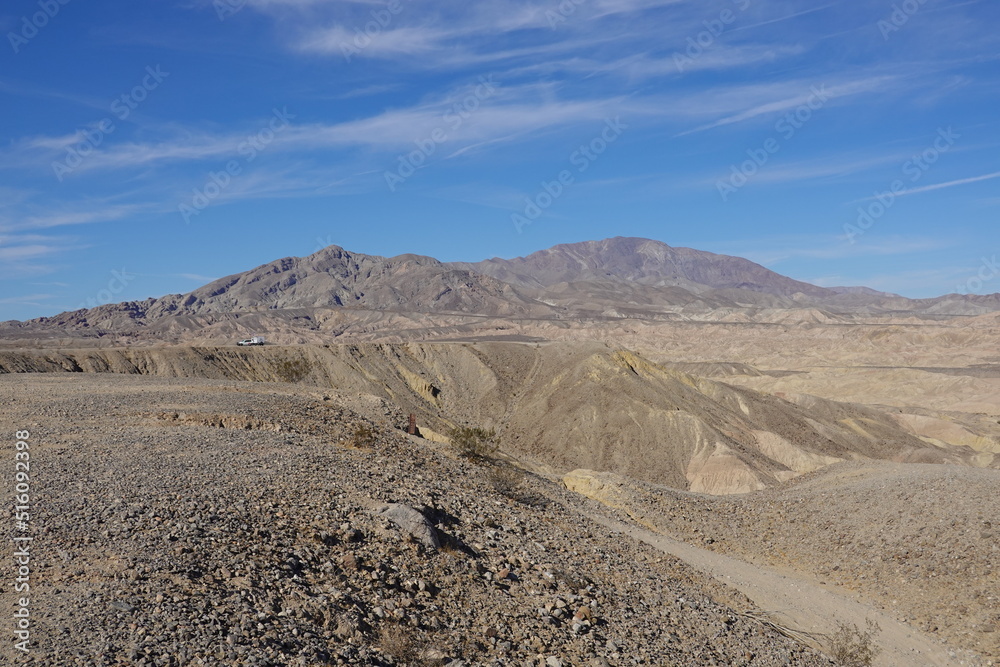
{"points": [[798, 603]]}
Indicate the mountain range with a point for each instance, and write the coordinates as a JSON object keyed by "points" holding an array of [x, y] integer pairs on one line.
{"points": [[617, 278]]}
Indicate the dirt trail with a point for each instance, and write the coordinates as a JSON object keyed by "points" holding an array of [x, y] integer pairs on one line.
{"points": [[798, 603]]}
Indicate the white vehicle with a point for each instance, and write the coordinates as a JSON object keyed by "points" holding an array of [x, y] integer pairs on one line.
{"points": [[255, 340]]}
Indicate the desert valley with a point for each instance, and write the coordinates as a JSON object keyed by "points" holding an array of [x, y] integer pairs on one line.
{"points": [[521, 333], [624, 453]]}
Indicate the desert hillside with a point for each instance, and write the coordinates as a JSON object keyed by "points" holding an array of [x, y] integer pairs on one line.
{"points": [[182, 521], [916, 540], [560, 406]]}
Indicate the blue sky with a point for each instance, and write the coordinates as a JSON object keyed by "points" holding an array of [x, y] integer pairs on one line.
{"points": [[150, 147]]}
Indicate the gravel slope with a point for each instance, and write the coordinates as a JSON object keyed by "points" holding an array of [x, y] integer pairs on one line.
{"points": [[199, 522]]}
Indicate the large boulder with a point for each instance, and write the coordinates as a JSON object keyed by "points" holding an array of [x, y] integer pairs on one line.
{"points": [[412, 522]]}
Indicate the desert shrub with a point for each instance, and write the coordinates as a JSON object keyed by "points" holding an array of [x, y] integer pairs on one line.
{"points": [[406, 648], [557, 577], [508, 480], [852, 647], [364, 436], [292, 370], [450, 546], [505, 478], [400, 643], [474, 443]]}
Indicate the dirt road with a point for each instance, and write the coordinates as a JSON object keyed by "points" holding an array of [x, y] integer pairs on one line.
{"points": [[801, 604]]}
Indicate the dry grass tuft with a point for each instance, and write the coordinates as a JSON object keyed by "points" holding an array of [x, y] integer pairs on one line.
{"points": [[506, 479], [852, 647], [401, 644], [364, 437]]}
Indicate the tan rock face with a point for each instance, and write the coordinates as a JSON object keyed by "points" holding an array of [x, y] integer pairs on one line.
{"points": [[604, 487], [718, 470]]}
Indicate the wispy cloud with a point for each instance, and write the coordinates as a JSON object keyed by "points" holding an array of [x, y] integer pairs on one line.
{"points": [[815, 92], [21, 253], [52, 284], [26, 299], [643, 66], [774, 250], [197, 277], [949, 184], [406, 41], [829, 166], [507, 113], [24, 255], [929, 281], [70, 216], [786, 17]]}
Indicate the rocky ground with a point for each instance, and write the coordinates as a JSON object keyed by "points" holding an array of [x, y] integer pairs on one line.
{"points": [[203, 522]]}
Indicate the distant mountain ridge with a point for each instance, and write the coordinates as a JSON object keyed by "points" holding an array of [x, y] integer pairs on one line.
{"points": [[617, 278], [335, 277], [864, 290], [644, 262]]}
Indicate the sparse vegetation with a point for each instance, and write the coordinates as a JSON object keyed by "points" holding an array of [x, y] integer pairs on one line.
{"points": [[401, 644], [364, 437], [853, 647], [474, 443], [572, 580], [451, 547], [506, 478], [292, 370], [323, 545]]}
